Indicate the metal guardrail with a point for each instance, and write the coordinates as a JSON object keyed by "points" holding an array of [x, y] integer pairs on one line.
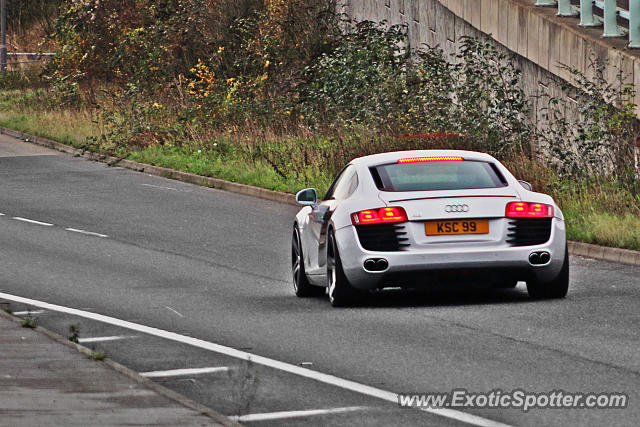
{"points": [[611, 13], [20, 58], [30, 55]]}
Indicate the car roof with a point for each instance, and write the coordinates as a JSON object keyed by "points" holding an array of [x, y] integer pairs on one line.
{"points": [[394, 156]]}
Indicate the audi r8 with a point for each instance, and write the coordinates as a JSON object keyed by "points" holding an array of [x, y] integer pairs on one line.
{"points": [[427, 218]]}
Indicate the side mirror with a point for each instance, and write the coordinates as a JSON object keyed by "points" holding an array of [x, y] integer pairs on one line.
{"points": [[307, 197], [526, 185]]}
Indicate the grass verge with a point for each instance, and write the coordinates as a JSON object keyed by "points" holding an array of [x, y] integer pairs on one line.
{"points": [[238, 167], [28, 111]]}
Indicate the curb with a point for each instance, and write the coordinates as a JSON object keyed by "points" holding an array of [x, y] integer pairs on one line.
{"points": [[146, 382], [624, 256], [191, 178]]}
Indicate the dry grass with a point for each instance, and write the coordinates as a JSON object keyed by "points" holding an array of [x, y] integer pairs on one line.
{"points": [[604, 228], [69, 126]]}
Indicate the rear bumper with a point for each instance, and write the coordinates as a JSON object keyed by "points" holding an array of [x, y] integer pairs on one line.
{"points": [[450, 263]]}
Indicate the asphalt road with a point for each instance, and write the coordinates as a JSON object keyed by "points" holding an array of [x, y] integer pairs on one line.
{"points": [[215, 266]]}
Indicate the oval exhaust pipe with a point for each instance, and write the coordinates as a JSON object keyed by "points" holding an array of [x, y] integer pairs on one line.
{"points": [[382, 264], [545, 257], [534, 258], [370, 265]]}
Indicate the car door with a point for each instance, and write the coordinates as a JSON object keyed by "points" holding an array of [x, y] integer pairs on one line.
{"points": [[343, 186]]}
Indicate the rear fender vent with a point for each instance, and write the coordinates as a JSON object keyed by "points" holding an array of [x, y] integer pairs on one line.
{"points": [[383, 237], [529, 231]]}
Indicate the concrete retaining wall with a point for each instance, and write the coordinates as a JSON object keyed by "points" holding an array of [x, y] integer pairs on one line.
{"points": [[541, 40]]}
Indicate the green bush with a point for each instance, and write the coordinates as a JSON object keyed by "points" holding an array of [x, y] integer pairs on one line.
{"points": [[598, 140], [371, 79], [362, 80], [20, 80]]}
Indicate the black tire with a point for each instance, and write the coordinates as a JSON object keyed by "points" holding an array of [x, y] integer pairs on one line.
{"points": [[341, 293], [553, 289], [301, 285]]}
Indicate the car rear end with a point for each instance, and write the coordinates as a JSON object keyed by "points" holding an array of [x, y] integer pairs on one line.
{"points": [[449, 220]]}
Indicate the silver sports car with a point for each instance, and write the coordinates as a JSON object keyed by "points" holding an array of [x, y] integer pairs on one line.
{"points": [[440, 218]]}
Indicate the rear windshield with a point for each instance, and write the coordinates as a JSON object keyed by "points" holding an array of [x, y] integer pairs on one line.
{"points": [[437, 176]]}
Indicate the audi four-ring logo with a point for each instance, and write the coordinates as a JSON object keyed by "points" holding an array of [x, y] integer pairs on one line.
{"points": [[456, 208]]}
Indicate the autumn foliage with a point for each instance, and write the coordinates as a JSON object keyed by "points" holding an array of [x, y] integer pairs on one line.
{"points": [[150, 43]]}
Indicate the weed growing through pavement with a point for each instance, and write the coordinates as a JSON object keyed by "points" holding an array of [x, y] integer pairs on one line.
{"points": [[7, 307], [97, 355], [29, 322], [74, 332]]}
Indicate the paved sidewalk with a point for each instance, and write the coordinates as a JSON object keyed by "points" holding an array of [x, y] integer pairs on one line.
{"points": [[44, 382]]}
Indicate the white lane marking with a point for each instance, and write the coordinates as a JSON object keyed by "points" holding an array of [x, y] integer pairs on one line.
{"points": [[88, 233], [100, 339], [27, 313], [294, 414], [171, 309], [182, 372], [261, 360], [31, 221], [1, 214], [160, 186]]}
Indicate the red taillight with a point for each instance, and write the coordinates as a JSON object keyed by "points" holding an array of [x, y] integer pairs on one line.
{"points": [[528, 210], [367, 217], [431, 159], [392, 214], [379, 216]]}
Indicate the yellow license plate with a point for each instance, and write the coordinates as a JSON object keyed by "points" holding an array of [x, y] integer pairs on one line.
{"points": [[458, 226]]}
